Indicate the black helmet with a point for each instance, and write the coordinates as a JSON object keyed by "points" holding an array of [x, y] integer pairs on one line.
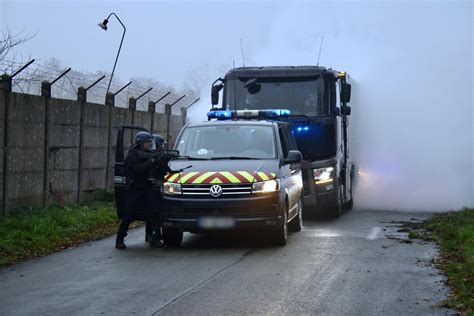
{"points": [[142, 137], [159, 140]]}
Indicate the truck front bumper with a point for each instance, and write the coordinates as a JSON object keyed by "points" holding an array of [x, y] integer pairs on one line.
{"points": [[318, 197]]}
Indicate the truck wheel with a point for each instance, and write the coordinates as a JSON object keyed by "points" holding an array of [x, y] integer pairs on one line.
{"points": [[335, 210], [296, 223], [349, 204], [279, 234], [172, 237]]}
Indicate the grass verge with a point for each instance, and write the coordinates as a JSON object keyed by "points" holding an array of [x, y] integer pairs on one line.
{"points": [[32, 233], [454, 233]]}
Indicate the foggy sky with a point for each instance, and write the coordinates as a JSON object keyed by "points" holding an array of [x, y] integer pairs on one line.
{"points": [[164, 40]]}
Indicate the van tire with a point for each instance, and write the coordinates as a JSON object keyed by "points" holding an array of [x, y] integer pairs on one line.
{"points": [[296, 223], [172, 237], [279, 234]]}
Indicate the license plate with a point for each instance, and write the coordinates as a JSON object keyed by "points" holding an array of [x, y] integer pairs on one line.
{"points": [[216, 222]]}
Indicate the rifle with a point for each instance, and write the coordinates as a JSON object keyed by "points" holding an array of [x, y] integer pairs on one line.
{"points": [[162, 158]]}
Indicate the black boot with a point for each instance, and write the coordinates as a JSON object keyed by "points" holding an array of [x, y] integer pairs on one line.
{"points": [[157, 244], [156, 240], [148, 236], [119, 244], [148, 232]]}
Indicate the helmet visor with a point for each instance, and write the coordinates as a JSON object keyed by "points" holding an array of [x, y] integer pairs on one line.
{"points": [[149, 145]]}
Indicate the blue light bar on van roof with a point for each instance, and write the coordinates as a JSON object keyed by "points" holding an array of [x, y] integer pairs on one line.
{"points": [[226, 115], [220, 115]]}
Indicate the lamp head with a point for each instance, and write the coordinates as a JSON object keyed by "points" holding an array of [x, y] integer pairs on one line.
{"points": [[103, 25]]}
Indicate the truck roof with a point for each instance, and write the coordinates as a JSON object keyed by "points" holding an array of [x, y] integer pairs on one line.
{"points": [[278, 71]]}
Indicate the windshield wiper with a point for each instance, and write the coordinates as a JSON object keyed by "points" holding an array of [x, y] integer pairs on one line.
{"points": [[192, 158], [234, 158], [305, 117]]}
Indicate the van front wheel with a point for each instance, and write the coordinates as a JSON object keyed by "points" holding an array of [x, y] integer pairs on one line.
{"points": [[296, 223], [279, 234], [172, 237]]}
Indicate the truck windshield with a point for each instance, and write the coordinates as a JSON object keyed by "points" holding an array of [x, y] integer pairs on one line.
{"points": [[228, 142], [305, 96]]}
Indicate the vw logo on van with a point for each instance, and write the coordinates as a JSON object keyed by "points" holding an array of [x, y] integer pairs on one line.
{"points": [[216, 190]]}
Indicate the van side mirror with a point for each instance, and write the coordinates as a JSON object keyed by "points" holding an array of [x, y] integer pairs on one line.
{"points": [[345, 110], [346, 93], [294, 156]]}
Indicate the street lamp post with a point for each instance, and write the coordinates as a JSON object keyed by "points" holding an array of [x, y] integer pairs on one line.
{"points": [[103, 25]]}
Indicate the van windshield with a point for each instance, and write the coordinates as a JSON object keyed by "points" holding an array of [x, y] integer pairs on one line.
{"points": [[228, 142]]}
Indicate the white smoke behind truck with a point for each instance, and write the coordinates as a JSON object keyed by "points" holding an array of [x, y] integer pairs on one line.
{"points": [[412, 108]]}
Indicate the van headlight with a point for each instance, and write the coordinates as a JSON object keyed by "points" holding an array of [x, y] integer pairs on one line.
{"points": [[171, 188], [266, 186], [323, 175]]}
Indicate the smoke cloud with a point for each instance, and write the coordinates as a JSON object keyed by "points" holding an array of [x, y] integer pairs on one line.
{"points": [[412, 131]]}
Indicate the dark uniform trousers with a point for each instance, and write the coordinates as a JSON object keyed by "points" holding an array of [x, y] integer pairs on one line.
{"points": [[142, 204]]}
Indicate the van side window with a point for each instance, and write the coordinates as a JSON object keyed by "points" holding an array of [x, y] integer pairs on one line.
{"points": [[288, 140], [284, 140]]}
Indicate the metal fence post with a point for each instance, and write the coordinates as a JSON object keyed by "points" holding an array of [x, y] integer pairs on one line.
{"points": [[151, 109], [81, 97], [5, 90], [110, 103], [46, 93], [132, 105], [168, 119], [184, 113]]}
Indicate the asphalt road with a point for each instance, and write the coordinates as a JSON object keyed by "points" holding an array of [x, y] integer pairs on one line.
{"points": [[349, 266]]}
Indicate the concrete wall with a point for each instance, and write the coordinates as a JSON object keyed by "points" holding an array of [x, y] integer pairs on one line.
{"points": [[64, 118], [94, 154], [54, 151], [25, 151]]}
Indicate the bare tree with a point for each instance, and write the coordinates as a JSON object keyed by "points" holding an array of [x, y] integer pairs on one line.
{"points": [[9, 43], [196, 79]]}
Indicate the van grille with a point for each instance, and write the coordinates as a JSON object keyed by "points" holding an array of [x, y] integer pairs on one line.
{"points": [[228, 190]]}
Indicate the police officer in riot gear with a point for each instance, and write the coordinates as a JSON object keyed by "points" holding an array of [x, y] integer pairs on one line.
{"points": [[142, 201], [156, 176], [160, 142]]}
